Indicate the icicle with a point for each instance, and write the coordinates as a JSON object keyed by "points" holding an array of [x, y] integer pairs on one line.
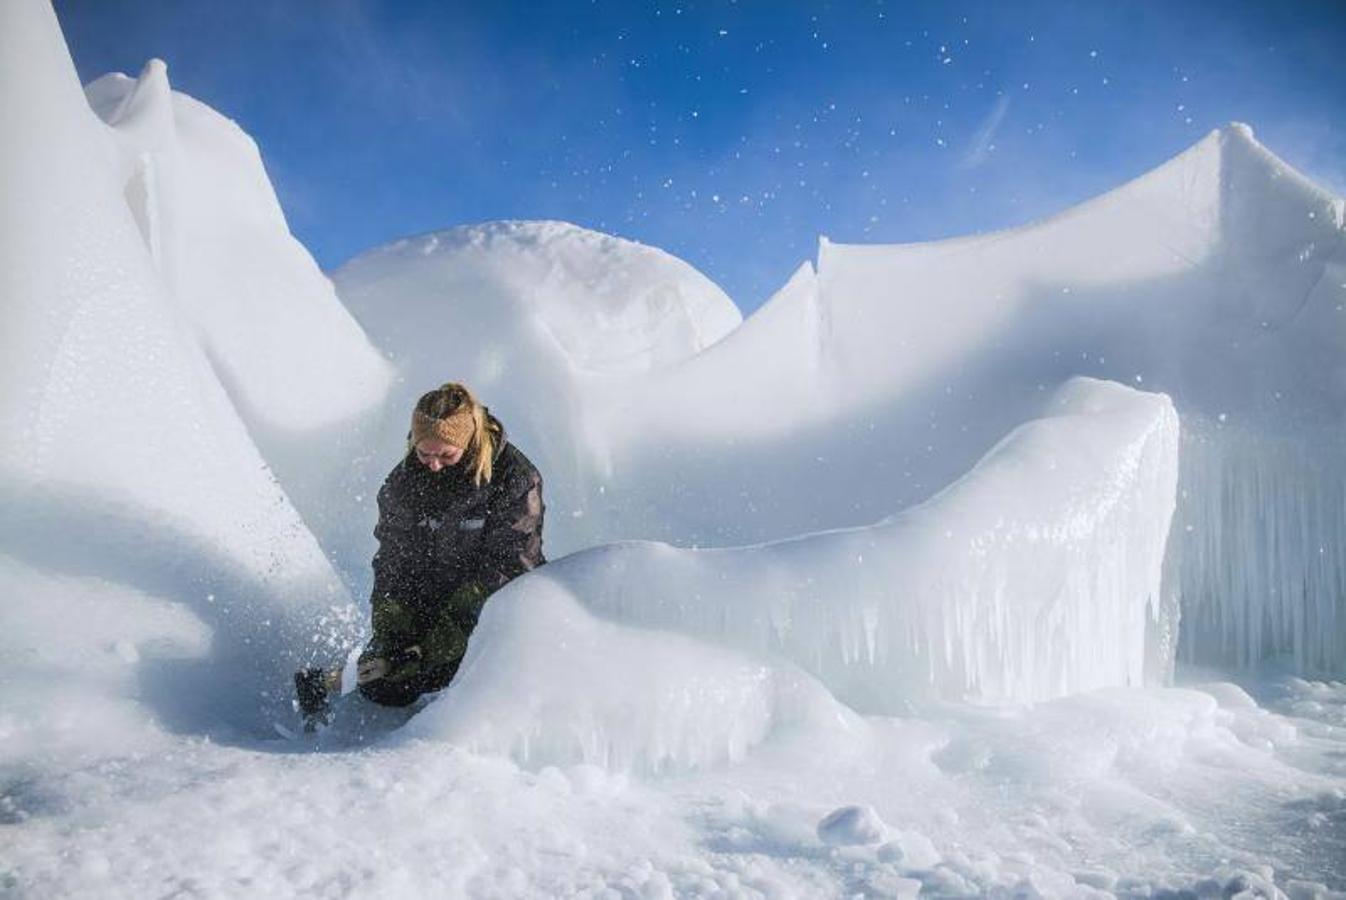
{"points": [[1259, 547]]}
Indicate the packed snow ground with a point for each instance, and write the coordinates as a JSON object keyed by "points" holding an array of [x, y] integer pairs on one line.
{"points": [[870, 593], [1132, 791]]}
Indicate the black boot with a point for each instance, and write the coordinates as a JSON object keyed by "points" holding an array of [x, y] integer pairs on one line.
{"points": [[310, 689]]}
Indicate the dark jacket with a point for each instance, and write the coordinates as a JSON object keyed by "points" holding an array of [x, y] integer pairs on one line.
{"points": [[446, 544]]}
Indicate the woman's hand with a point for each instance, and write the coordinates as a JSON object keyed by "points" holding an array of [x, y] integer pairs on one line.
{"points": [[375, 667], [371, 669]]}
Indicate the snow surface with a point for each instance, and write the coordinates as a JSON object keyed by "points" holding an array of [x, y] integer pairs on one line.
{"points": [[879, 374], [532, 315], [1035, 575], [873, 594], [123, 456]]}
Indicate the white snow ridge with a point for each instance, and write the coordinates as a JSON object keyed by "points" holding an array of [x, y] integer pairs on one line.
{"points": [[936, 574]]}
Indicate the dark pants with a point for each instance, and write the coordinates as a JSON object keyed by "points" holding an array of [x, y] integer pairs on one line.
{"points": [[404, 691]]}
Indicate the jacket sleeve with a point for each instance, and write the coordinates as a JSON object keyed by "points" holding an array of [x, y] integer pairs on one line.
{"points": [[395, 558], [512, 543]]}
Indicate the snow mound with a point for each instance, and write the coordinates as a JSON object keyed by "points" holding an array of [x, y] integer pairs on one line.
{"points": [[882, 373], [1218, 278], [608, 306], [547, 683], [532, 315], [1035, 575], [292, 356], [123, 457]]}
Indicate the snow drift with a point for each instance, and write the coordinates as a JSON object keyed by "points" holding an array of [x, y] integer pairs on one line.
{"points": [[291, 355], [154, 298], [548, 683], [532, 315], [1035, 575], [124, 458], [882, 373], [155, 578]]}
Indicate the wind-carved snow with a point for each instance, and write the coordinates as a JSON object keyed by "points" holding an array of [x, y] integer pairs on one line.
{"points": [[268, 319], [548, 683], [156, 584], [123, 457], [1034, 576], [881, 374], [535, 316], [1218, 278]]}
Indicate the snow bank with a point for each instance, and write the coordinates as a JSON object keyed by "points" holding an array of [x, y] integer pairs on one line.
{"points": [[1219, 278], [84, 660], [532, 315], [292, 356], [123, 457], [1035, 575], [547, 683], [297, 367], [882, 373]]}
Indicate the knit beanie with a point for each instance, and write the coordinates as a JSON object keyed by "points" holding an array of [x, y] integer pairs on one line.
{"points": [[458, 429]]}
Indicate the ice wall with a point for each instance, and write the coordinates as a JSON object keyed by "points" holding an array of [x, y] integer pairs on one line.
{"points": [[1037, 574], [1257, 556], [1243, 326], [123, 458], [1218, 278]]}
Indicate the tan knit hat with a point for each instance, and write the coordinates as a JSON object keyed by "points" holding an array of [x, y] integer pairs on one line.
{"points": [[458, 429]]}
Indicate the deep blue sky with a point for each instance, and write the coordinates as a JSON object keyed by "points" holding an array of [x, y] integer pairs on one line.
{"points": [[729, 133]]}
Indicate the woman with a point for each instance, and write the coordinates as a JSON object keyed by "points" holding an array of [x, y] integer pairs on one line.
{"points": [[459, 517]]}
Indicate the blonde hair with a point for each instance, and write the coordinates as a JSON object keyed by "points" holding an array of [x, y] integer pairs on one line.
{"points": [[453, 401]]}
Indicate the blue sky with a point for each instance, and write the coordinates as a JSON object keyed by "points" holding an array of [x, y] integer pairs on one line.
{"points": [[729, 133]]}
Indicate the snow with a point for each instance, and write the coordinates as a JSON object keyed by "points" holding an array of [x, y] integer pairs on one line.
{"points": [[117, 428], [1035, 575], [269, 320], [526, 310], [1011, 564], [852, 825], [879, 374], [547, 683]]}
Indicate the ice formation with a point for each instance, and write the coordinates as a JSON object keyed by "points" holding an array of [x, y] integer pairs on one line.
{"points": [[291, 355], [1035, 575], [1258, 557], [298, 369], [879, 374], [156, 583], [548, 683], [123, 456]]}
